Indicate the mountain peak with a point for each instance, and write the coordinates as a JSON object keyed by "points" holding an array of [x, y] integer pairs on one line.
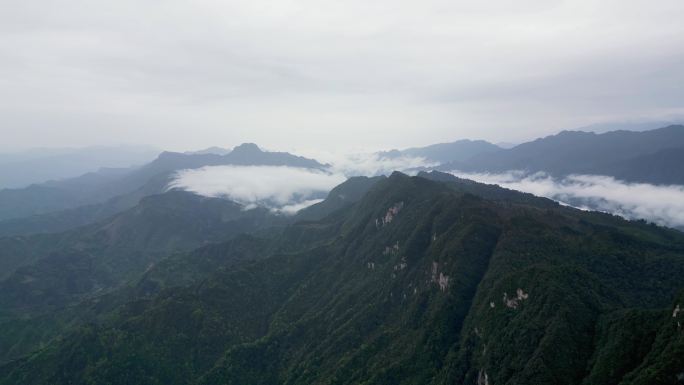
{"points": [[247, 148]]}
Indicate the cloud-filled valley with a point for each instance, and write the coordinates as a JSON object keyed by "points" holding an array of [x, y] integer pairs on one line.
{"points": [[289, 189], [663, 205], [280, 188], [286, 189]]}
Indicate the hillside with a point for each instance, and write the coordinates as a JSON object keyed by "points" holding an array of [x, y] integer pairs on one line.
{"points": [[46, 273], [419, 282]]}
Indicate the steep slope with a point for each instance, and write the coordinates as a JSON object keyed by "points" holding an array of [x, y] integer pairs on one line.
{"points": [[44, 274], [340, 197], [419, 282], [578, 152], [126, 243]]}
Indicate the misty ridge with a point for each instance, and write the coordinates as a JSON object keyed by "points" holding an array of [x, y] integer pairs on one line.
{"points": [[288, 189], [634, 174]]}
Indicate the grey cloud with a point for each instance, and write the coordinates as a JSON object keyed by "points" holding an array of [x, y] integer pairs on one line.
{"points": [[328, 74]]}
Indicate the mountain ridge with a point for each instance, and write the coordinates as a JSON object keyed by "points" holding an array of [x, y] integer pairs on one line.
{"points": [[580, 152], [419, 282], [56, 206]]}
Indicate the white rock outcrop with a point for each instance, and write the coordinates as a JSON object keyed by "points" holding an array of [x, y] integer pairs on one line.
{"points": [[514, 302], [389, 216]]}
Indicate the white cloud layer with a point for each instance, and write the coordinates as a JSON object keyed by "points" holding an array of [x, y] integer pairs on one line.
{"points": [[371, 163], [287, 189], [283, 189], [663, 205]]}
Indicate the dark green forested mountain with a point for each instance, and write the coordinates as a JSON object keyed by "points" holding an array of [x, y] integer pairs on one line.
{"points": [[44, 274], [425, 280], [339, 197]]}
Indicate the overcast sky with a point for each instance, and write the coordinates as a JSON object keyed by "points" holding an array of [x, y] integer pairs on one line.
{"points": [[295, 74]]}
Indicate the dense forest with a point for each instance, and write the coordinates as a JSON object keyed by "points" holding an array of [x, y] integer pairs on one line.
{"points": [[418, 280]]}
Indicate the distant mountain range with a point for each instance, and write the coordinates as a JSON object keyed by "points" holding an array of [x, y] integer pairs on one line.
{"points": [[649, 156], [21, 169], [458, 151], [653, 156], [60, 205]]}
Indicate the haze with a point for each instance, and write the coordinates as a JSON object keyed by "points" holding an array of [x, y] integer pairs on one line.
{"points": [[327, 75]]}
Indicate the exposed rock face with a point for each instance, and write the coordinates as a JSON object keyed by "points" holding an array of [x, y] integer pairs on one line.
{"points": [[482, 378], [389, 216], [441, 279], [676, 311], [514, 302], [391, 250], [443, 282]]}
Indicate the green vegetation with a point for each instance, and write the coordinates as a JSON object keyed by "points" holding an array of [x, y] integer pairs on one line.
{"points": [[421, 281]]}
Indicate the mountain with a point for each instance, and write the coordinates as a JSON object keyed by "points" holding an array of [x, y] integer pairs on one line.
{"points": [[211, 150], [458, 151], [47, 273], [22, 169], [59, 205], [648, 156], [127, 242], [347, 193], [42, 274], [422, 281], [644, 125], [660, 167]]}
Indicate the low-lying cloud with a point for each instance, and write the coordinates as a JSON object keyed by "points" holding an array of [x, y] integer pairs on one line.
{"points": [[370, 163], [287, 189], [663, 205], [282, 189]]}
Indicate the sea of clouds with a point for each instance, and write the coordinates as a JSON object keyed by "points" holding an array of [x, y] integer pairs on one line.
{"points": [[289, 189], [286, 189], [663, 205], [280, 188]]}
